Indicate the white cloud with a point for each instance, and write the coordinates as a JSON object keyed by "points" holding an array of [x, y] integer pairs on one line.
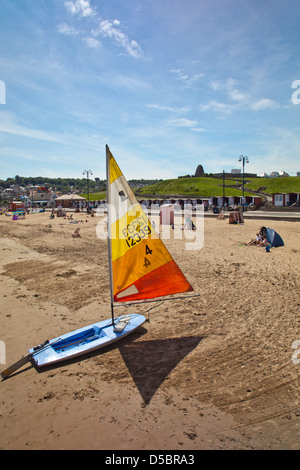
{"points": [[197, 129], [187, 80], [237, 95], [80, 7], [159, 107], [178, 121], [92, 42], [229, 84], [182, 122], [236, 99], [128, 82], [9, 125], [63, 28], [112, 30], [264, 103], [106, 28], [230, 88], [218, 107]]}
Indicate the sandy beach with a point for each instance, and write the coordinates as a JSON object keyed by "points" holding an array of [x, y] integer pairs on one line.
{"points": [[210, 372]]}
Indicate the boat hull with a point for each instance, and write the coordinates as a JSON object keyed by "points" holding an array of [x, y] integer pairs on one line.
{"points": [[85, 340]]}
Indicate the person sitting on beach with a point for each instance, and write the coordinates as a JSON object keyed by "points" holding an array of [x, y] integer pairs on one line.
{"points": [[263, 232], [264, 242], [221, 216], [76, 233], [256, 241], [233, 217]]}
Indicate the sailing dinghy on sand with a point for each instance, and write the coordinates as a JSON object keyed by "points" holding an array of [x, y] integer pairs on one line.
{"points": [[140, 268]]}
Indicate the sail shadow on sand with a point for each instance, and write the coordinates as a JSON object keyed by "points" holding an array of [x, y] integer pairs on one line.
{"points": [[150, 362]]}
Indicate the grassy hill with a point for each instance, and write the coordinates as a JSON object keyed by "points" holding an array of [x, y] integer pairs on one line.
{"points": [[202, 186], [288, 184], [207, 187], [95, 196]]}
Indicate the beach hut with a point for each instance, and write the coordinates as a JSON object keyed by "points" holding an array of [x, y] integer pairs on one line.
{"points": [[69, 200], [286, 199], [253, 201], [234, 200], [294, 199], [16, 206], [278, 199], [167, 214]]}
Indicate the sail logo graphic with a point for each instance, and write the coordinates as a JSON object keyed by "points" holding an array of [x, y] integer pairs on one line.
{"points": [[136, 231], [2, 353], [123, 196], [296, 94], [2, 92]]}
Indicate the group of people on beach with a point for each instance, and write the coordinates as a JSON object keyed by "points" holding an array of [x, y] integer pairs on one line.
{"points": [[260, 239]]}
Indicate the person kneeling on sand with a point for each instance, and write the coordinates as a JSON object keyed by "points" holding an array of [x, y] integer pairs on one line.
{"points": [[76, 233]]}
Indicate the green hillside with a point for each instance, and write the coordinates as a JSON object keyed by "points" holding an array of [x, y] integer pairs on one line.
{"points": [[201, 187], [95, 196], [207, 187], [287, 184]]}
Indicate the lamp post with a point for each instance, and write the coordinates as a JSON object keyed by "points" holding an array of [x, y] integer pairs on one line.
{"points": [[224, 190], [243, 159], [88, 173]]}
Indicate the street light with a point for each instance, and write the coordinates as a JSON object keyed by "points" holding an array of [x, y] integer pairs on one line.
{"points": [[244, 159], [88, 173]]}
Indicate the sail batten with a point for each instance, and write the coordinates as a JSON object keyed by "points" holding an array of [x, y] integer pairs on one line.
{"points": [[141, 266]]}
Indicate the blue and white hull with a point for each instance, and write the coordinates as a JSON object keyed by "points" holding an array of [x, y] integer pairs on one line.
{"points": [[85, 340]]}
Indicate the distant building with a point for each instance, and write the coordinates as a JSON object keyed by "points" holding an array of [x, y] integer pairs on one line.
{"points": [[69, 200], [236, 175], [41, 198], [277, 174], [274, 174]]}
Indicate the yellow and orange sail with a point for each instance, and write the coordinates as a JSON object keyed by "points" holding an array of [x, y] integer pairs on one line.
{"points": [[141, 266]]}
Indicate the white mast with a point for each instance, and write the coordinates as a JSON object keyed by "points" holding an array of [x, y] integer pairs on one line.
{"points": [[109, 232]]}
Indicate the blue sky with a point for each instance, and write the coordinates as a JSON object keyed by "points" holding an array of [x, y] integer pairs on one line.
{"points": [[167, 84]]}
